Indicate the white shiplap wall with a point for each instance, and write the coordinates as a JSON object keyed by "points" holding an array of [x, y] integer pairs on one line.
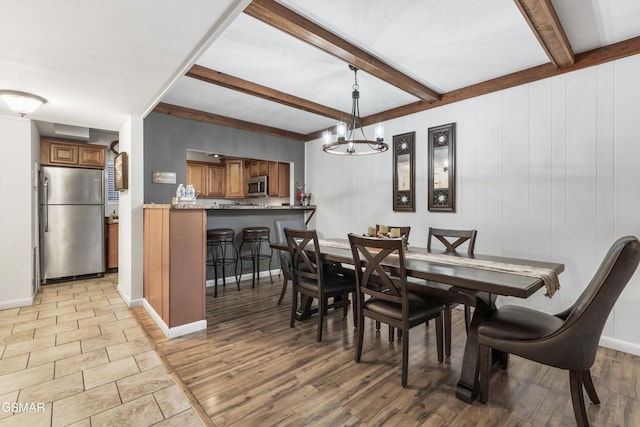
{"points": [[549, 170]]}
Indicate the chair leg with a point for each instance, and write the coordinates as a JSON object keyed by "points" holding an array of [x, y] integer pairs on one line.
{"points": [[391, 333], [321, 312], [360, 340], [354, 310], [294, 306], [405, 357], [484, 360], [577, 398], [345, 307], [377, 325], [589, 387], [439, 338], [283, 292], [447, 330]]}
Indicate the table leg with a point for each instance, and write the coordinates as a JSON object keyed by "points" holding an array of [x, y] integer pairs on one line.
{"points": [[468, 386]]}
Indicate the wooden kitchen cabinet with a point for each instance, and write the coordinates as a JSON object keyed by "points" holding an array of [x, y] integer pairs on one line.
{"points": [[68, 153], [197, 176], [112, 249], [259, 168], [279, 179], [234, 179], [216, 180], [207, 179]]}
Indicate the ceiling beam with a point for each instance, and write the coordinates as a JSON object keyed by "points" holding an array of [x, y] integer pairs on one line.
{"points": [[254, 89], [587, 59], [288, 21], [544, 22], [202, 116]]}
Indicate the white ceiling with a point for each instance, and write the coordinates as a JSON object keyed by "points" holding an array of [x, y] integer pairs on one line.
{"points": [[98, 62]]}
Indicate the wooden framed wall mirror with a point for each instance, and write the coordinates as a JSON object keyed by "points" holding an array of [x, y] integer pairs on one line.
{"points": [[442, 168], [404, 172]]}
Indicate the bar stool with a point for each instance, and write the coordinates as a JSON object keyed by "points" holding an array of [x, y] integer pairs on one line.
{"points": [[256, 238], [224, 252]]}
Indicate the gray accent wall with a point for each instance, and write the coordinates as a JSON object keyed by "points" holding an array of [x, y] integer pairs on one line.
{"points": [[167, 138]]}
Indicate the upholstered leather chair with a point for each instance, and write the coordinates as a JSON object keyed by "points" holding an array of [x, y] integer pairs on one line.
{"points": [[387, 298], [310, 279], [452, 240], [568, 340], [285, 259]]}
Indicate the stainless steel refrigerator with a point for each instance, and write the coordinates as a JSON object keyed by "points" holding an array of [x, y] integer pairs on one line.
{"points": [[71, 222]]}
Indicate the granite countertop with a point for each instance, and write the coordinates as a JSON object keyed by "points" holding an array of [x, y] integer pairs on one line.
{"points": [[206, 205]]}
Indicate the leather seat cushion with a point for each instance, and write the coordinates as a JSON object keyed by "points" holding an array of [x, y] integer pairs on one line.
{"points": [[512, 322], [420, 309], [333, 284]]}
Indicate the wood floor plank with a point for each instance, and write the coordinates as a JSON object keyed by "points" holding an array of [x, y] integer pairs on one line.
{"points": [[250, 368]]}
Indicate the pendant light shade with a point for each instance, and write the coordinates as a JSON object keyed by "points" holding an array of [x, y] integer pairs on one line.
{"points": [[21, 102]]}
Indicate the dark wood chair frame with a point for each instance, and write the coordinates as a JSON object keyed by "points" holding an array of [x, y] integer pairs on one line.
{"points": [[452, 240], [285, 259], [309, 278], [388, 299]]}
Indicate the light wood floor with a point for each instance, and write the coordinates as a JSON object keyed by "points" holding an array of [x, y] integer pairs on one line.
{"points": [[249, 368]]}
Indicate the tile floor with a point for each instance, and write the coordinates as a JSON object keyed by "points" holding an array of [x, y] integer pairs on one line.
{"points": [[78, 357]]}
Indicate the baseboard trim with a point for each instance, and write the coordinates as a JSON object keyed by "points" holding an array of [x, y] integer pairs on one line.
{"points": [[127, 298], [176, 331], [245, 276], [16, 303], [619, 345]]}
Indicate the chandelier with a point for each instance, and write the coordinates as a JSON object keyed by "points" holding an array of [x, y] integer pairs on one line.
{"points": [[350, 138]]}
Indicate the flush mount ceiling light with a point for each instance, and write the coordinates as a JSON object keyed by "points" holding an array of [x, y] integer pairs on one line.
{"points": [[350, 138], [21, 102]]}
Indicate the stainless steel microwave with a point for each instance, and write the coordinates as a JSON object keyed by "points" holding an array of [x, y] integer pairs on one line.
{"points": [[258, 186]]}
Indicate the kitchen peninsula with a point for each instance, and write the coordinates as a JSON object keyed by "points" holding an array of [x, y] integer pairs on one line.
{"points": [[175, 252]]}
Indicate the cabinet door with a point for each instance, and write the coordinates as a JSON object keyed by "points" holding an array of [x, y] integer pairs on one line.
{"points": [[197, 176], [284, 187], [274, 179], [63, 154], [253, 169], [235, 179], [215, 181], [91, 156], [263, 167], [112, 253]]}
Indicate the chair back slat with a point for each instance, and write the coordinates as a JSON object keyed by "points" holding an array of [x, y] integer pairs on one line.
{"points": [[369, 255], [452, 239], [279, 225], [303, 265]]}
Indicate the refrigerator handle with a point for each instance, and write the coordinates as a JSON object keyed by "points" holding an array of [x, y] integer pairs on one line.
{"points": [[45, 197]]}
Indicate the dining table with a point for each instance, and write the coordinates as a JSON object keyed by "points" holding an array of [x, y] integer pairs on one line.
{"points": [[474, 280]]}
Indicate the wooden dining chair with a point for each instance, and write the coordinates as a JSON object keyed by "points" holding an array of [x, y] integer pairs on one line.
{"points": [[285, 259], [405, 230], [568, 340], [310, 280], [451, 240], [384, 297]]}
